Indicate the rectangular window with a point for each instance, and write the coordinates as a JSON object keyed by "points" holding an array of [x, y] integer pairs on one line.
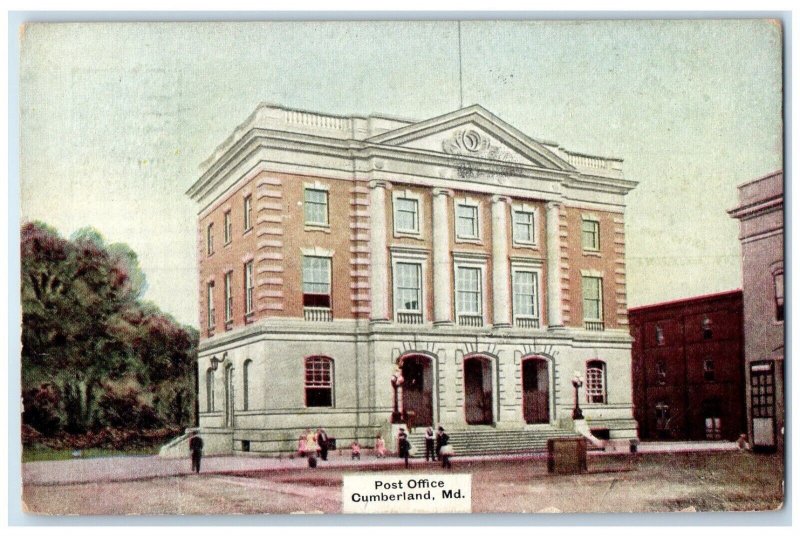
{"points": [[661, 372], [316, 207], [212, 320], [468, 291], [248, 288], [316, 282], [659, 336], [227, 227], [590, 235], [707, 327], [319, 381], [228, 296], [523, 227], [708, 370], [466, 221], [663, 417], [248, 212], [408, 284], [592, 298], [406, 215], [210, 239], [778, 284], [713, 428], [525, 284]]}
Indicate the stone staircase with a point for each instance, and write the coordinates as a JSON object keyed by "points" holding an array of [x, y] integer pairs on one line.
{"points": [[495, 441]]}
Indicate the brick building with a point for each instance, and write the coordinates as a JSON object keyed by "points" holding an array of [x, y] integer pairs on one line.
{"points": [[688, 368], [481, 265], [760, 215]]}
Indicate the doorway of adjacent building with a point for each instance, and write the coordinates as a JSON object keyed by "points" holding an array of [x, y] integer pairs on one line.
{"points": [[478, 391], [762, 404], [712, 420], [535, 391], [418, 390], [663, 419]]}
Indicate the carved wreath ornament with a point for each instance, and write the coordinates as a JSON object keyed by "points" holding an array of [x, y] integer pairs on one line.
{"points": [[466, 142]]}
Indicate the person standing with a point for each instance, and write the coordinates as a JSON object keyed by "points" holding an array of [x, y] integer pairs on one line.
{"points": [[430, 454], [403, 445], [439, 444], [380, 447], [196, 449], [445, 450], [322, 441]]}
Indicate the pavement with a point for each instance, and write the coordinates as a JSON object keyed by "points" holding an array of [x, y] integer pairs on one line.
{"points": [[133, 468]]}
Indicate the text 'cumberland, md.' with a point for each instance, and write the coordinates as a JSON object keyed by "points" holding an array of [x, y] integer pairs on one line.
{"points": [[403, 493]]}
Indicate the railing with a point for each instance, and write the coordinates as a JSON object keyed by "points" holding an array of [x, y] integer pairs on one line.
{"points": [[587, 161], [409, 318], [470, 320], [316, 120], [597, 326], [527, 322], [318, 314]]}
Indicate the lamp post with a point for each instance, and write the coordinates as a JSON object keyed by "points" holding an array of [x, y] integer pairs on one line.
{"points": [[577, 382], [397, 381]]}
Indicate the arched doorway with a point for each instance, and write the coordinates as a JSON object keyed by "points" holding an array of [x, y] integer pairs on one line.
{"points": [[418, 389], [478, 391], [535, 390]]}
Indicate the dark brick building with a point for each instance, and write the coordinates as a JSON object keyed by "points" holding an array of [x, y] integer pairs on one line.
{"points": [[688, 368]]}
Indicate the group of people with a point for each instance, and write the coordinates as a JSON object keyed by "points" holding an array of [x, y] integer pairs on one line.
{"points": [[311, 444], [437, 447]]}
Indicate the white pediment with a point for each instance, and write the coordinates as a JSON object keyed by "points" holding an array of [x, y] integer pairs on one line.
{"points": [[474, 132], [469, 140]]}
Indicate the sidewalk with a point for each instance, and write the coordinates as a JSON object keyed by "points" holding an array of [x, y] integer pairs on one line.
{"points": [[130, 468]]}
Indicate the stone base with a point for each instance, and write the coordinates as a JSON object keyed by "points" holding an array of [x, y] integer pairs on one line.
{"points": [[582, 428]]}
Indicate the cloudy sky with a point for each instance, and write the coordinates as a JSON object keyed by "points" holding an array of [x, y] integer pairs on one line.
{"points": [[115, 120]]}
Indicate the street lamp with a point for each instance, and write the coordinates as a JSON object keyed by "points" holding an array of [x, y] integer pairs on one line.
{"points": [[397, 381], [577, 382]]}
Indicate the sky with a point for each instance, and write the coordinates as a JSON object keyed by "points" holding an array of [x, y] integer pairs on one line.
{"points": [[116, 118]]}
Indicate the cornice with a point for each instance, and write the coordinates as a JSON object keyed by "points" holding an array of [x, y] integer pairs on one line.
{"points": [[763, 206], [342, 156]]}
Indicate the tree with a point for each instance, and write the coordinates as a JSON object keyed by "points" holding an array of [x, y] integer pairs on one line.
{"points": [[84, 325]]}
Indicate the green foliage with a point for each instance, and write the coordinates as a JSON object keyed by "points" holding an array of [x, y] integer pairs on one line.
{"points": [[85, 331]]}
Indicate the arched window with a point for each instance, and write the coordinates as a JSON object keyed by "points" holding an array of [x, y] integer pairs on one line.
{"points": [[210, 390], [246, 384], [595, 381], [319, 381]]}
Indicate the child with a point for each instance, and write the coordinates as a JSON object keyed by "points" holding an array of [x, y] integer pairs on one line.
{"points": [[301, 446], [355, 451], [380, 447]]}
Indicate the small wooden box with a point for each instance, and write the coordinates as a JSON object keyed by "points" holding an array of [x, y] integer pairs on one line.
{"points": [[566, 455]]}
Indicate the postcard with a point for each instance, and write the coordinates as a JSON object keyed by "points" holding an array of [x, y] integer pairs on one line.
{"points": [[397, 266]]}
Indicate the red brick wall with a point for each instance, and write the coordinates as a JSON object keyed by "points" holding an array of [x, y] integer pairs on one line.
{"points": [[684, 352], [606, 261]]}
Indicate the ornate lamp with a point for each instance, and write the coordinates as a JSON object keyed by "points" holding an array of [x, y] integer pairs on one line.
{"points": [[577, 382]]}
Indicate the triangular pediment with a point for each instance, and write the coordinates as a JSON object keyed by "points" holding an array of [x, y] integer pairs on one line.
{"points": [[474, 132]]}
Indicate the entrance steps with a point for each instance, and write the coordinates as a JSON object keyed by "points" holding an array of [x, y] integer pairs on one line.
{"points": [[489, 441]]}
